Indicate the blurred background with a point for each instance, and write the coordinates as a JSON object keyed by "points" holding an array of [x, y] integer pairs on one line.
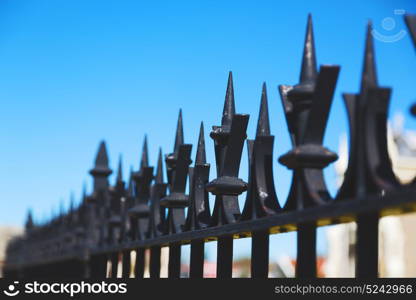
{"points": [[73, 73]]}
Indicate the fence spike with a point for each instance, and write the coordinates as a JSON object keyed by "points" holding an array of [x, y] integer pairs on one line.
{"points": [[29, 220], [369, 170], [229, 140], [101, 170], [369, 73], [157, 192], [198, 216], [306, 108], [198, 212], [99, 224], [261, 199], [102, 156], [120, 169], [115, 221], [157, 217], [145, 155], [139, 214], [159, 170], [411, 25], [84, 192], [367, 111], [126, 233], [99, 201], [229, 104], [200, 151], [309, 72], [179, 140], [131, 188], [71, 202], [177, 164], [263, 124]]}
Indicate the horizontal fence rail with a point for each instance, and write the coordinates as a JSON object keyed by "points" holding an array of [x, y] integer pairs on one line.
{"points": [[93, 239]]}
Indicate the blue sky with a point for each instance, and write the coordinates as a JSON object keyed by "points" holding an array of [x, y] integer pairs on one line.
{"points": [[75, 72]]}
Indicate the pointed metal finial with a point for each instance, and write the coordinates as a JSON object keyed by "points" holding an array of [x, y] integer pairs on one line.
{"points": [[84, 191], [71, 201], [200, 152], [29, 219], [179, 140], [102, 156], [61, 211], [369, 75], [120, 169], [159, 171], [309, 71], [145, 155], [229, 140], [229, 104], [411, 25], [101, 167], [263, 125], [130, 188]]}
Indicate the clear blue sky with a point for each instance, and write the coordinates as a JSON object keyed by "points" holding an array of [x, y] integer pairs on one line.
{"points": [[75, 72]]}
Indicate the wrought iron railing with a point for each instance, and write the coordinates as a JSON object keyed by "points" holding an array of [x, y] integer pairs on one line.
{"points": [[150, 214]]}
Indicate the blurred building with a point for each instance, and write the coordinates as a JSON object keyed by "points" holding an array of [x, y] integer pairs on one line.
{"points": [[242, 266], [6, 233], [397, 243]]}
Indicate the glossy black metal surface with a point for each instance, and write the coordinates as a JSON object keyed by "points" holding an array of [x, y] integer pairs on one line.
{"points": [[148, 214], [306, 107]]}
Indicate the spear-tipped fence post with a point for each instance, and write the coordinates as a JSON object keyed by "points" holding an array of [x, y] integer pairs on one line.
{"points": [[96, 204], [198, 212], [306, 108], [261, 198], [229, 140], [139, 213], [369, 170], [177, 164], [157, 217]]}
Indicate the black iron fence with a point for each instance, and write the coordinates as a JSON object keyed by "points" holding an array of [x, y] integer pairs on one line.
{"points": [[149, 214]]}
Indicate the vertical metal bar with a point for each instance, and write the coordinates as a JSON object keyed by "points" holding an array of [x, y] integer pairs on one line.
{"points": [[225, 257], [260, 254], [36, 272], [174, 267], [126, 264], [139, 266], [76, 269], [26, 272], [52, 270], [98, 266], [196, 268], [306, 256], [85, 271], [114, 264], [366, 265], [154, 267]]}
